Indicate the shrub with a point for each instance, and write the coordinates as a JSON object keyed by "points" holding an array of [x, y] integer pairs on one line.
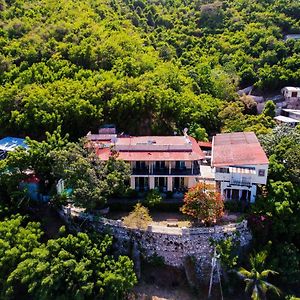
{"points": [[203, 203], [236, 206], [153, 198], [138, 218], [130, 193]]}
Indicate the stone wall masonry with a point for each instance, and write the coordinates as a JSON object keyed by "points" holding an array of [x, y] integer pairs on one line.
{"points": [[172, 244]]}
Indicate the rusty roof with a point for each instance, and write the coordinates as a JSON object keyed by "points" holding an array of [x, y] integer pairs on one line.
{"points": [[237, 149], [193, 152]]}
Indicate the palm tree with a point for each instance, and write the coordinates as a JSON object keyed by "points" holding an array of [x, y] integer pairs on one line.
{"points": [[255, 279]]}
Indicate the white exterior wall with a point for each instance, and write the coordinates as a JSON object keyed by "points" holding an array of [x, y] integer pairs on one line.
{"points": [[225, 180], [255, 178], [287, 93]]}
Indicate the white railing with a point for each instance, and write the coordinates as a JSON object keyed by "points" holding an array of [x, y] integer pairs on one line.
{"points": [[241, 182]]}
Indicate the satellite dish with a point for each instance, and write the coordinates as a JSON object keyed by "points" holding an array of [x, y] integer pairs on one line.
{"points": [[175, 132], [185, 130]]}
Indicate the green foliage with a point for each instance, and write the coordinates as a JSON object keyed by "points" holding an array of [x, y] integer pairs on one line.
{"points": [[198, 132], [256, 279], [37, 158], [153, 198], [74, 266], [282, 145], [78, 64], [235, 118], [227, 250], [138, 218], [17, 238], [269, 109], [91, 179], [287, 261]]}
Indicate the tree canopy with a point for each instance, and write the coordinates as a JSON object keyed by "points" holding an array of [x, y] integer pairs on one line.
{"points": [[69, 267], [161, 64]]}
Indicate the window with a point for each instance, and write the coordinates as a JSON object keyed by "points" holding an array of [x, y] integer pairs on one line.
{"points": [[160, 164], [180, 165], [222, 170], [261, 172], [294, 94], [140, 165]]}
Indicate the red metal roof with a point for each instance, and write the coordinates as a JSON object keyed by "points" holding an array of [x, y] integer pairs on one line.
{"points": [[205, 144], [236, 149], [195, 153]]}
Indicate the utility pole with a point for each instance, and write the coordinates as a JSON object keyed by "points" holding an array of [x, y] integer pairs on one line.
{"points": [[215, 266]]}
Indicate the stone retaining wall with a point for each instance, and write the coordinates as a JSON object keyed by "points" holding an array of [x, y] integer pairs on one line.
{"points": [[172, 244]]}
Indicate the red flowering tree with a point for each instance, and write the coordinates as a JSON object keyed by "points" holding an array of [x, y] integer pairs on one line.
{"points": [[203, 203]]}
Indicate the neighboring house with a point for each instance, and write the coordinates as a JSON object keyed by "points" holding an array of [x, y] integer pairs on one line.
{"points": [[235, 162], [240, 164], [169, 163], [291, 93], [289, 116], [9, 144]]}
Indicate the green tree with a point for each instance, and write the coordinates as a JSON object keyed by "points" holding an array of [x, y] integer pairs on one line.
{"points": [[73, 266], [37, 159], [153, 198], [91, 179], [18, 238], [138, 218], [269, 109], [198, 132], [203, 203], [256, 279]]}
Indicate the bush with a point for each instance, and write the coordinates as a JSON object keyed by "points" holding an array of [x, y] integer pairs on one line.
{"points": [[130, 193], [138, 218], [153, 198], [203, 203]]}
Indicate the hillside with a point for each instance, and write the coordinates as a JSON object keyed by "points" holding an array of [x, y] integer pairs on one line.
{"points": [[147, 66]]}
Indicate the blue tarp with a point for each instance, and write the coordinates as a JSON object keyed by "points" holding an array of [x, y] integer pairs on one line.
{"points": [[10, 143]]}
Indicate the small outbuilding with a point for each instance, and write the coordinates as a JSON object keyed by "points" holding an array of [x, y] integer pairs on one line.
{"points": [[9, 144], [291, 93]]}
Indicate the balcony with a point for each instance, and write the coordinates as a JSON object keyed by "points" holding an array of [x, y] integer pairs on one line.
{"points": [[242, 182], [166, 171], [140, 171], [185, 171]]}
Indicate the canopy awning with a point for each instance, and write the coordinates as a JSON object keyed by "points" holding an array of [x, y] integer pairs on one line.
{"points": [[242, 170]]}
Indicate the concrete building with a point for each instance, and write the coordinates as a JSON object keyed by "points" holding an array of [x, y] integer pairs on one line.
{"points": [[290, 117], [168, 163], [291, 93], [240, 164], [235, 162]]}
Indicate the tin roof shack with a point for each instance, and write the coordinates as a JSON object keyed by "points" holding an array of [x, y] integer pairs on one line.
{"points": [[9, 144]]}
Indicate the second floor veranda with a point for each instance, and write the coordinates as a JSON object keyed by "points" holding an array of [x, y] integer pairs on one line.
{"points": [[165, 168]]}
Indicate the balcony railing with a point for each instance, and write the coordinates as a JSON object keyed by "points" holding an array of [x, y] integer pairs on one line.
{"points": [[240, 182], [166, 171], [185, 171], [160, 171], [140, 171]]}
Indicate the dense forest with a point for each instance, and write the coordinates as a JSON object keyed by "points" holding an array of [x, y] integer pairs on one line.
{"points": [[150, 67], [146, 66]]}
